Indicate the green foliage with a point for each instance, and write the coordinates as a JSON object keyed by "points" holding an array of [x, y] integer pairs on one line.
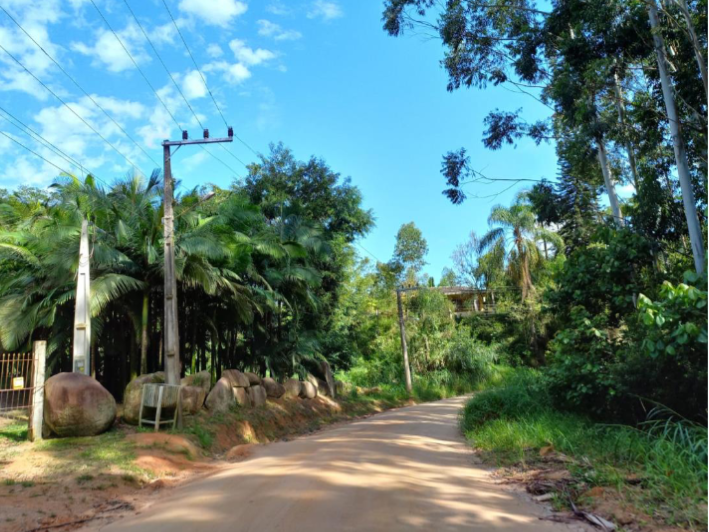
{"points": [[582, 360], [259, 270], [511, 423], [675, 325], [518, 396]]}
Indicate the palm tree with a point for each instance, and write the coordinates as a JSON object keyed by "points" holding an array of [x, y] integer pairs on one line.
{"points": [[512, 240]]}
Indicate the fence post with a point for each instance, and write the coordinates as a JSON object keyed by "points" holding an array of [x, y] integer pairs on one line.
{"points": [[39, 353]]}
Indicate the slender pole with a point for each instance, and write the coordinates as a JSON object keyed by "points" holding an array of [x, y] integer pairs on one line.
{"points": [[402, 331], [172, 345], [81, 354], [39, 353], [685, 180]]}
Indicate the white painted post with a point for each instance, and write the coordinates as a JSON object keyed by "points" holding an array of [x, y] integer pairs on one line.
{"points": [[39, 353], [81, 360]]}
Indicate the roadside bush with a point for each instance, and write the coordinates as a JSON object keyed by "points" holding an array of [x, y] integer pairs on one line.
{"points": [[511, 423], [521, 394], [469, 358]]}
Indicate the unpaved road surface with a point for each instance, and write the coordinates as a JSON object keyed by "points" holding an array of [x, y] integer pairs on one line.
{"points": [[403, 470]]}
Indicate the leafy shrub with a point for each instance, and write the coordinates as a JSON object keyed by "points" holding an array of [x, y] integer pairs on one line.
{"points": [[512, 422], [466, 356], [523, 394], [582, 359], [675, 324]]}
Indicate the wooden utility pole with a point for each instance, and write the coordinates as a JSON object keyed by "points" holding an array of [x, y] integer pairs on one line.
{"points": [[81, 355], [170, 325], [402, 331]]}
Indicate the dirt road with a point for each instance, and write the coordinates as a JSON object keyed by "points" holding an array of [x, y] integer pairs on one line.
{"points": [[407, 470]]}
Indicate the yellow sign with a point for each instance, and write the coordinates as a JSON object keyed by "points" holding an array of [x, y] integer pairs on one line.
{"points": [[18, 383]]}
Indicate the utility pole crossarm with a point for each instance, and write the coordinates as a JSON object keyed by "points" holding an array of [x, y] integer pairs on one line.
{"points": [[196, 141]]}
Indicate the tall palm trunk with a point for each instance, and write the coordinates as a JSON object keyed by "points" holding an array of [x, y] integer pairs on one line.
{"points": [[527, 285], [685, 181], [144, 333]]}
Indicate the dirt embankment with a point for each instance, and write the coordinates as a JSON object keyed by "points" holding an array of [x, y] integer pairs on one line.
{"points": [[80, 480]]}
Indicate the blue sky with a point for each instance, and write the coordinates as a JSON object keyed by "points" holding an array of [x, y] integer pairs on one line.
{"points": [[319, 75]]}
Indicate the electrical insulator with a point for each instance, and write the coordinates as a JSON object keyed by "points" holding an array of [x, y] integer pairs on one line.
{"points": [[206, 133], [230, 132], [184, 135]]}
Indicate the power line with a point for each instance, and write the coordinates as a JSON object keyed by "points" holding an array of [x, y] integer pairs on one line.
{"points": [[369, 252], [70, 109], [194, 62], [135, 64], [35, 153], [79, 86], [189, 52], [145, 34], [234, 156], [55, 149], [32, 133]]}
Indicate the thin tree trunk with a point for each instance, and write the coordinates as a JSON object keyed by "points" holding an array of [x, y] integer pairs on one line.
{"points": [[695, 43], [144, 333], [621, 118], [685, 181], [609, 182], [402, 332]]}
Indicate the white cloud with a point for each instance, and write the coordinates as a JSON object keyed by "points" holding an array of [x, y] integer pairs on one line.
{"points": [[214, 50], [193, 86], [109, 52], [164, 34], [216, 12], [233, 73], [325, 10], [193, 161], [278, 8], [249, 56], [271, 29]]}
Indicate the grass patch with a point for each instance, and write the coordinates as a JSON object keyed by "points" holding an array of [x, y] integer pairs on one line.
{"points": [[14, 432], [203, 435], [511, 423]]}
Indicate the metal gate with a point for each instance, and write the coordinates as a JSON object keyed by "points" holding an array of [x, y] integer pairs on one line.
{"points": [[22, 389]]}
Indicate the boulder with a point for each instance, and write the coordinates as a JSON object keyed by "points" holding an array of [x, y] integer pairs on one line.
{"points": [[203, 380], [257, 395], [192, 398], [328, 377], [77, 405], [254, 380], [343, 388], [308, 390], [236, 378], [323, 388], [292, 388], [273, 388], [131, 397], [241, 396], [221, 398], [312, 379], [194, 391]]}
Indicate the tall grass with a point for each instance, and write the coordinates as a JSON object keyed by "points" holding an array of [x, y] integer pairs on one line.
{"points": [[667, 454]]}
